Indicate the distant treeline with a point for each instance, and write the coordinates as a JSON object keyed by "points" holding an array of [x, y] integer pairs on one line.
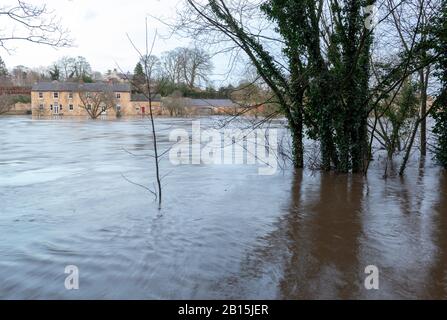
{"points": [[170, 89]]}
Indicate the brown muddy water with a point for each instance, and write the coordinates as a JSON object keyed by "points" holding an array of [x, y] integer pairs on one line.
{"points": [[223, 231]]}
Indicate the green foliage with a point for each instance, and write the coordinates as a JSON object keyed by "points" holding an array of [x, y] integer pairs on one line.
{"points": [[323, 79], [440, 130], [138, 76], [167, 88], [138, 71], [54, 73], [440, 115], [87, 78], [399, 115], [22, 98], [335, 100]]}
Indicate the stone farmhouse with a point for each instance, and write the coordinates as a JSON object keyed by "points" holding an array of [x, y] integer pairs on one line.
{"points": [[68, 99], [64, 98]]}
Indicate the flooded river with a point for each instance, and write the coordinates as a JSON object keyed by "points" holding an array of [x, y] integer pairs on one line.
{"points": [[223, 231]]}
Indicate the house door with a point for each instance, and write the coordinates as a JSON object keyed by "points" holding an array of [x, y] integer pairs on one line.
{"points": [[142, 109], [56, 108]]}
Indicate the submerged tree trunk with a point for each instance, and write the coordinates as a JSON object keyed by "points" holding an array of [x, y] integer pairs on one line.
{"points": [[423, 83], [297, 95], [360, 147], [297, 139]]}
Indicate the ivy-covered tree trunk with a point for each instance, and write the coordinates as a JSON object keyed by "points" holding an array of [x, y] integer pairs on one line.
{"points": [[297, 97], [287, 16], [353, 75], [440, 114], [325, 84], [423, 111], [297, 139], [297, 126], [359, 138], [324, 108], [441, 133]]}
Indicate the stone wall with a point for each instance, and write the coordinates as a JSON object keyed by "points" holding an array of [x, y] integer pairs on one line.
{"points": [[20, 109]]}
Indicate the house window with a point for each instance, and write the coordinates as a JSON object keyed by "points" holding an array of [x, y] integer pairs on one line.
{"points": [[70, 106], [89, 107], [51, 107], [60, 107], [118, 108], [87, 95], [56, 95], [118, 95], [41, 107], [40, 95], [70, 95]]}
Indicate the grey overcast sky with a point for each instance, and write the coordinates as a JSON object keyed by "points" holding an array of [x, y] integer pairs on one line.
{"points": [[99, 30]]}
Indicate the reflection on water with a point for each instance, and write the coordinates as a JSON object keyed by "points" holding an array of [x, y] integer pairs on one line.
{"points": [[437, 283], [337, 225], [223, 232], [325, 227]]}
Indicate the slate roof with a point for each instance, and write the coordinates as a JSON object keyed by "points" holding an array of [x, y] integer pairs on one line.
{"points": [[74, 86], [142, 97], [212, 103]]}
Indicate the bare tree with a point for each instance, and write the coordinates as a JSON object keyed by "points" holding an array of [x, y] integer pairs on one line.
{"points": [[65, 66], [196, 65], [33, 23], [6, 103], [175, 104], [153, 63], [189, 66], [96, 103], [24, 76], [3, 70], [242, 31], [403, 21], [80, 68], [172, 66], [73, 68], [403, 33], [97, 76], [148, 89]]}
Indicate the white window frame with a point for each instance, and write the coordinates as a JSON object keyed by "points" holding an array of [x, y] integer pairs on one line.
{"points": [[70, 107], [118, 95], [41, 106], [40, 95], [70, 95], [55, 95]]}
